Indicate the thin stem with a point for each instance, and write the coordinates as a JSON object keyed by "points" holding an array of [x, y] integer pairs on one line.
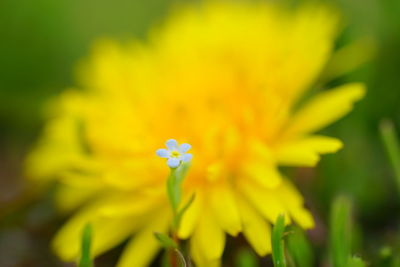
{"points": [[174, 196], [174, 190], [278, 246], [85, 260]]}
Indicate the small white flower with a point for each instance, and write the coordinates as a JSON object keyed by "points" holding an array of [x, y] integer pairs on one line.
{"points": [[175, 153]]}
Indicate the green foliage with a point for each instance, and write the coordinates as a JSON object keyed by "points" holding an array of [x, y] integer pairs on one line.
{"points": [[392, 148], [355, 262], [278, 246], [246, 258], [388, 257], [85, 260], [340, 232], [299, 247], [166, 241]]}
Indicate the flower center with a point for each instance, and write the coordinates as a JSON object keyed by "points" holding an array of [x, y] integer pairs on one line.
{"points": [[175, 154]]}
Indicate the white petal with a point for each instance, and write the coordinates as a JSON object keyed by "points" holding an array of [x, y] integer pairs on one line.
{"points": [[173, 162], [163, 153], [172, 144], [184, 148], [186, 157]]}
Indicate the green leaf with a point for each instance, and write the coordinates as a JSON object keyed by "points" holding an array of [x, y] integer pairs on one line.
{"points": [[278, 248], [246, 258], [166, 241], [356, 262], [340, 241], [388, 257], [299, 248], [85, 260], [392, 148]]}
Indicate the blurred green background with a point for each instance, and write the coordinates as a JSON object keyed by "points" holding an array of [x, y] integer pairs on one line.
{"points": [[42, 40]]}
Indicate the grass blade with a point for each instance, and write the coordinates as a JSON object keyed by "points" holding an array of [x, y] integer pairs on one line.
{"points": [[340, 241], [85, 260], [299, 248], [278, 246], [392, 148]]}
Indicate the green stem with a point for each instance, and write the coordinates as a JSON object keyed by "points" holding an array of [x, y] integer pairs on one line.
{"points": [[85, 260], [278, 246], [174, 190]]}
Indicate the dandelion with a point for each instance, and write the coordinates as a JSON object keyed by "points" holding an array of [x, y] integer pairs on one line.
{"points": [[175, 154], [232, 74]]}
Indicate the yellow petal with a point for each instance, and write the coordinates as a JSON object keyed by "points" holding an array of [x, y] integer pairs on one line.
{"points": [[324, 109], [142, 248], [306, 151], [70, 197], [264, 174], [61, 146], [107, 232], [190, 217], [260, 166], [321, 144], [256, 230], [80, 180], [117, 172], [208, 237], [294, 203], [130, 204], [224, 207], [264, 200], [302, 217], [199, 258]]}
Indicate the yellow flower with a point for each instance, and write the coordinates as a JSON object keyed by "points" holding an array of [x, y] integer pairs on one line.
{"points": [[224, 78]]}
